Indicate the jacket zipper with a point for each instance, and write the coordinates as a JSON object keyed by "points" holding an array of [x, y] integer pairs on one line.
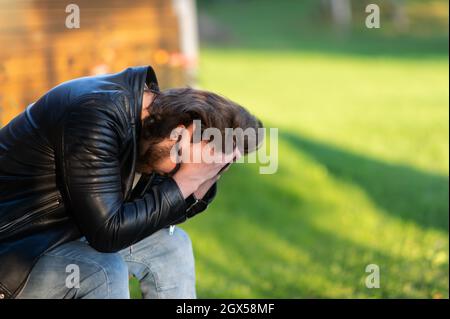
{"points": [[43, 210]]}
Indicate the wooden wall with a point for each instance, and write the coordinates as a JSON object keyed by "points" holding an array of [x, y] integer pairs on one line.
{"points": [[38, 51]]}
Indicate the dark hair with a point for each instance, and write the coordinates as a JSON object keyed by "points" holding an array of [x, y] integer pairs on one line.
{"points": [[181, 106]]}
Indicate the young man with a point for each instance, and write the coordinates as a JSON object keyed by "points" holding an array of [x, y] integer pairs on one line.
{"points": [[72, 224]]}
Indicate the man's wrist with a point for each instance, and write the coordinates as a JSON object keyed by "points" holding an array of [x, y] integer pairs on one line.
{"points": [[187, 188]]}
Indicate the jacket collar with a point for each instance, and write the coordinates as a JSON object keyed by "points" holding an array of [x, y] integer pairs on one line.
{"points": [[135, 79]]}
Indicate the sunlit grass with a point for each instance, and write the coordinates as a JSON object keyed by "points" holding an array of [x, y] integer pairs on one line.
{"points": [[305, 233], [363, 162], [367, 182], [392, 109]]}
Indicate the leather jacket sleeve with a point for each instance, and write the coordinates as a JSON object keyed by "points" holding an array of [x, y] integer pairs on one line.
{"points": [[194, 206], [92, 137]]}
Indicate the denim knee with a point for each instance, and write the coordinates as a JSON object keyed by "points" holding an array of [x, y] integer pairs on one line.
{"points": [[164, 264], [115, 275], [181, 239]]}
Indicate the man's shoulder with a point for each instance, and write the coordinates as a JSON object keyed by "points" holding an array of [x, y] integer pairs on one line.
{"points": [[114, 104]]}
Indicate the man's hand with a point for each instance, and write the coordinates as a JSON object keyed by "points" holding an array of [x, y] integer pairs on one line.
{"points": [[196, 174], [193, 177], [204, 188]]}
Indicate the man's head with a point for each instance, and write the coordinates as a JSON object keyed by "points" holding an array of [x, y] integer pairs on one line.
{"points": [[175, 109]]}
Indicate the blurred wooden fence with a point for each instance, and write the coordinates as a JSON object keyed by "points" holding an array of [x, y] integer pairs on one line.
{"points": [[38, 51]]}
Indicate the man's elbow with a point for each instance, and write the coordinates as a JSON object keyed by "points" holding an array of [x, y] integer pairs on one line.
{"points": [[104, 242]]}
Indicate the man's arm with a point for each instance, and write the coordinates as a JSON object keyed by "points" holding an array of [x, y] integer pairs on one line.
{"points": [[91, 171], [197, 204]]}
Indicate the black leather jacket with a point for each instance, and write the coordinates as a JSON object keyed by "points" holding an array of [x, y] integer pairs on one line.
{"points": [[67, 165]]}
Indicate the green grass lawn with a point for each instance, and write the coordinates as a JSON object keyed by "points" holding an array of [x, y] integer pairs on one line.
{"points": [[363, 162]]}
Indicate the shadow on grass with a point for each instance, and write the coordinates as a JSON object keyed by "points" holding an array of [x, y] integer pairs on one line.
{"points": [[401, 190], [270, 247], [274, 250], [333, 267]]}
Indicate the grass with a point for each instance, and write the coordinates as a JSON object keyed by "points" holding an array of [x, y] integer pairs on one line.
{"points": [[363, 160]]}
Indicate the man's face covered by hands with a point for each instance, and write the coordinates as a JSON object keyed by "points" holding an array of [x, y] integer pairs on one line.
{"points": [[194, 164], [171, 143], [166, 156], [156, 157]]}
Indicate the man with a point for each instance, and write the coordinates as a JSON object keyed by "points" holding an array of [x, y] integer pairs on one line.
{"points": [[71, 223]]}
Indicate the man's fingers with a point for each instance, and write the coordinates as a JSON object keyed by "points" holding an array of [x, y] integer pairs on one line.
{"points": [[237, 154], [191, 150], [185, 141], [228, 158], [225, 168], [213, 180]]}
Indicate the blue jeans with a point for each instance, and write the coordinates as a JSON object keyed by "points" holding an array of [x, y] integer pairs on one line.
{"points": [[163, 263]]}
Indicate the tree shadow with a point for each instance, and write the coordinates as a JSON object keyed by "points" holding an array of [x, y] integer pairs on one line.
{"points": [[331, 262], [273, 248], [402, 191]]}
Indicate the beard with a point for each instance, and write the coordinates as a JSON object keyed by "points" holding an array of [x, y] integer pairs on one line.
{"points": [[150, 155]]}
